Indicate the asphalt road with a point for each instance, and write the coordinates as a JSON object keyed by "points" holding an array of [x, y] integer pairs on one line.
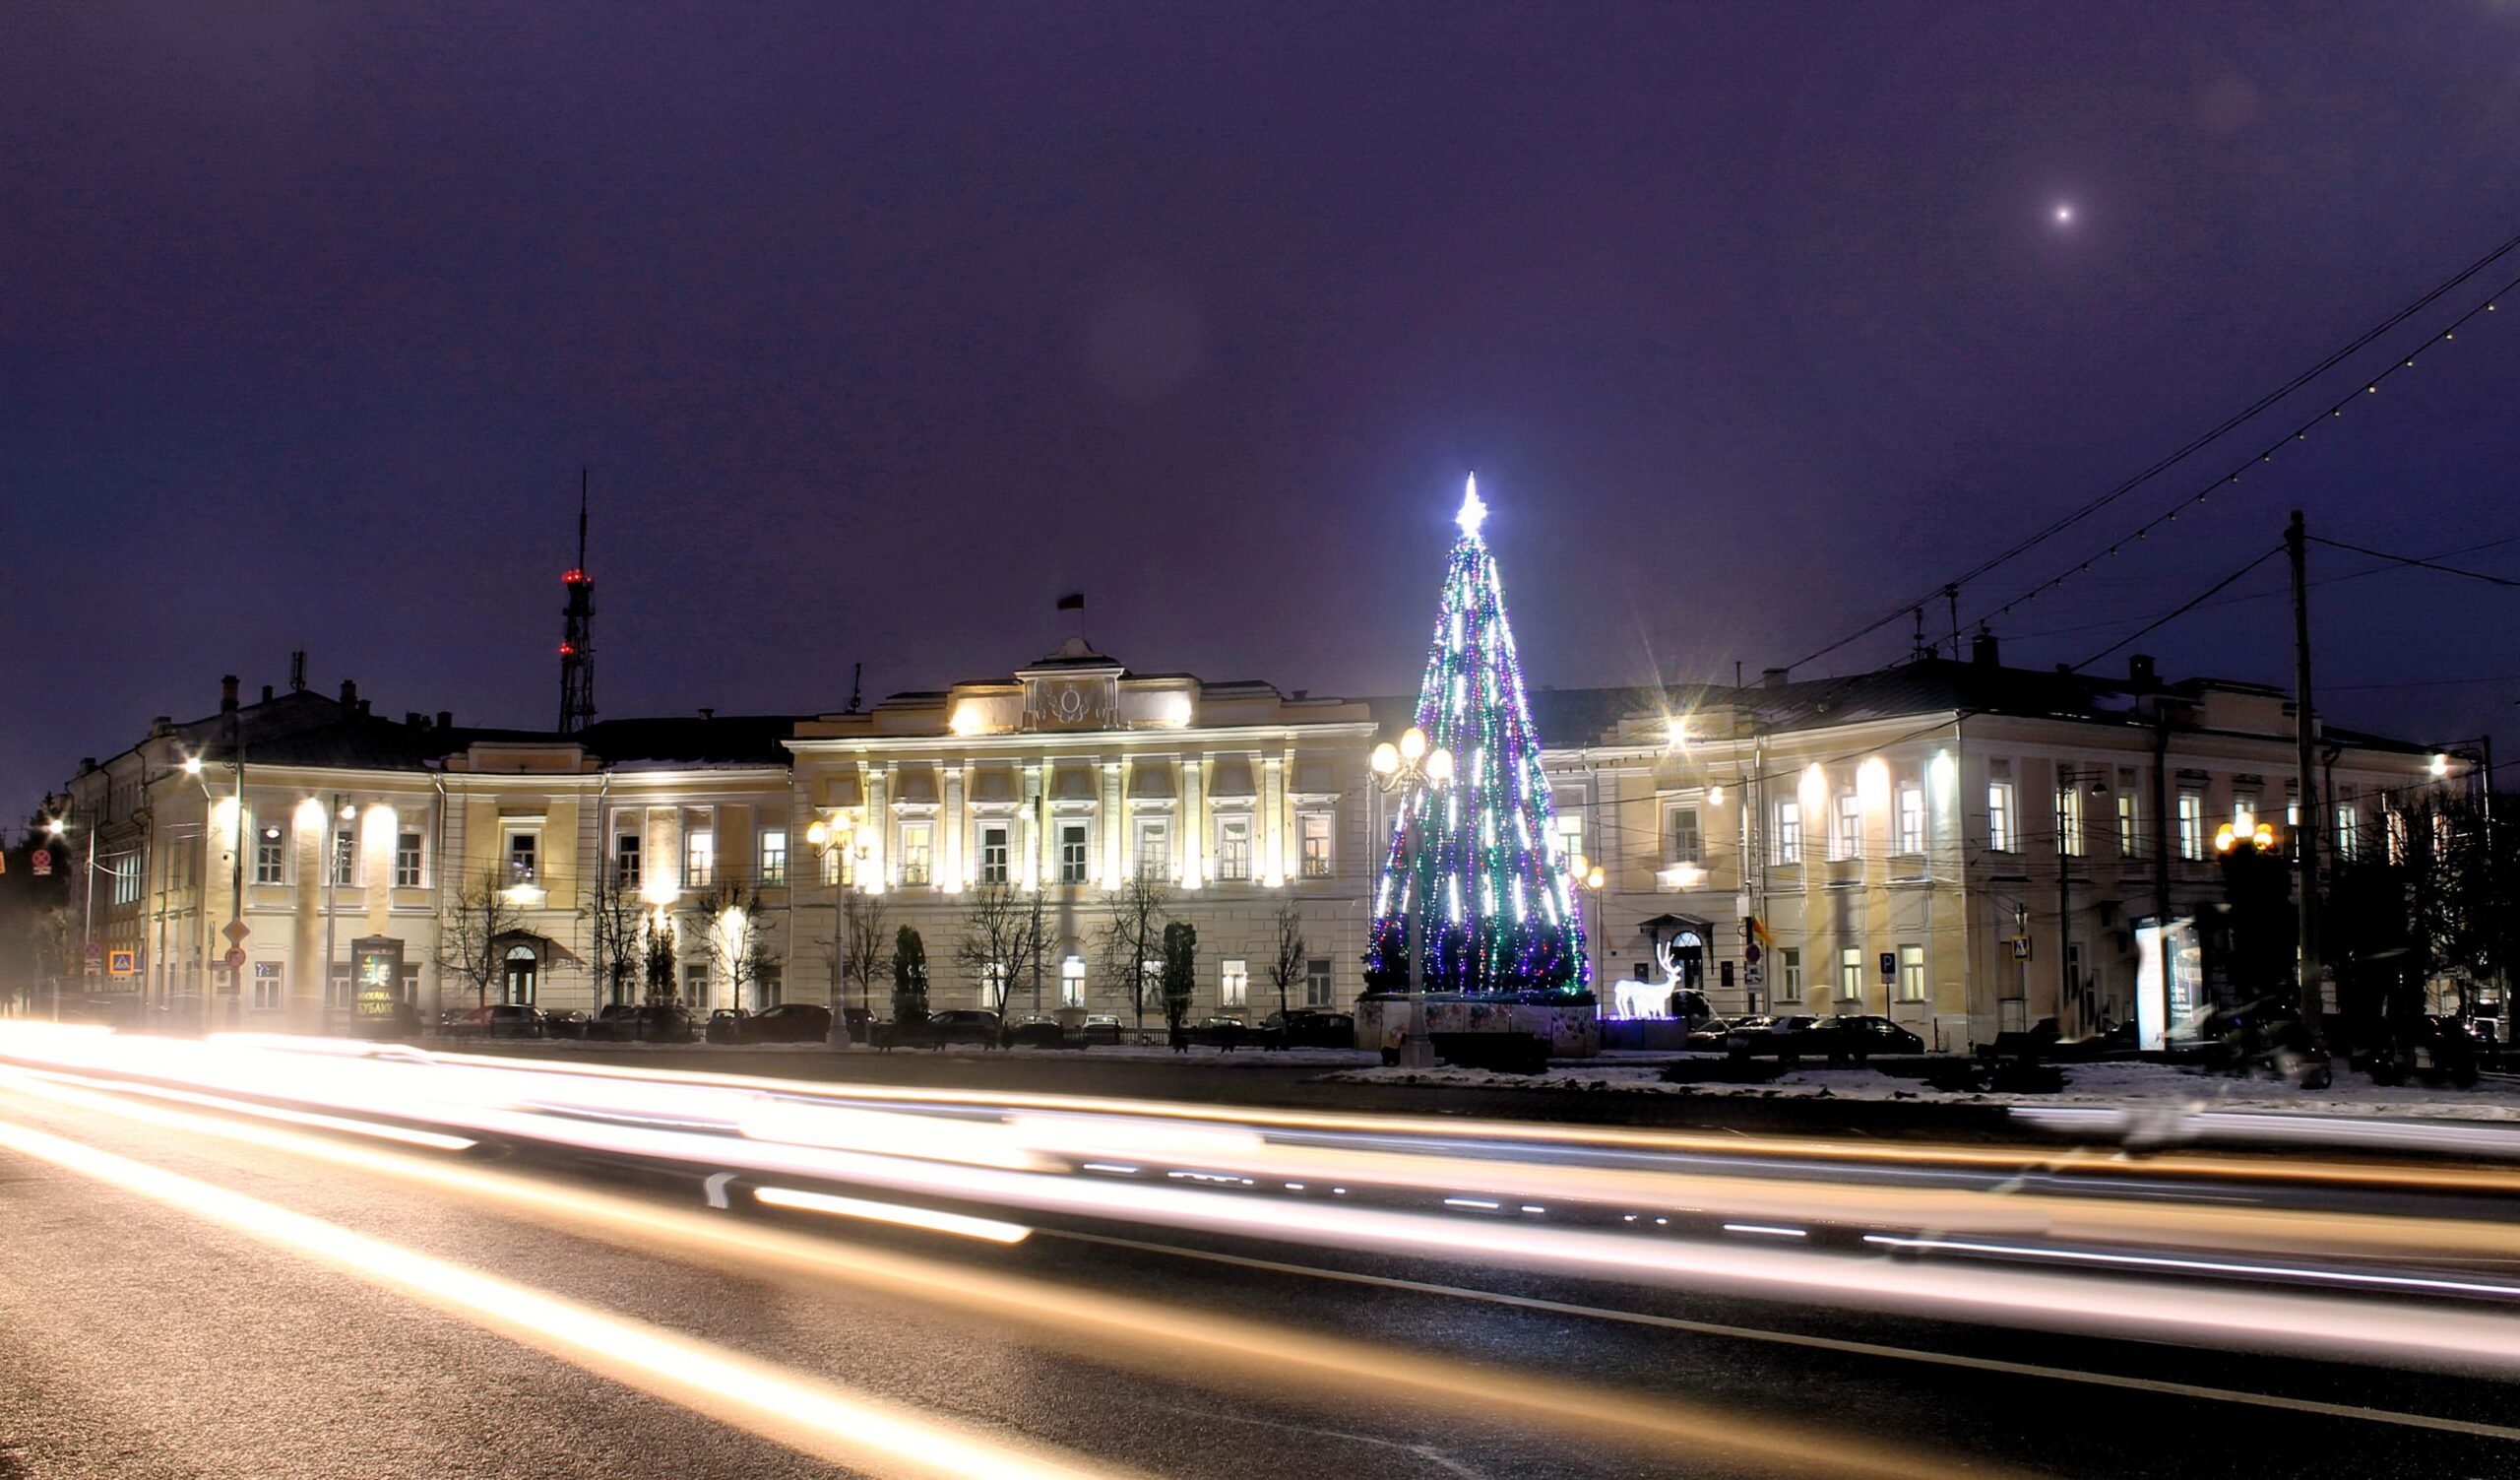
{"points": [[138, 1339]]}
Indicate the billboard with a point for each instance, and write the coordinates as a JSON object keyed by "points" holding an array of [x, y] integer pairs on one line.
{"points": [[2169, 980]]}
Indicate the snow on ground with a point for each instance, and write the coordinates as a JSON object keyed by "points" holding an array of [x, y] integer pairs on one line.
{"points": [[1247, 1057], [2088, 1084]]}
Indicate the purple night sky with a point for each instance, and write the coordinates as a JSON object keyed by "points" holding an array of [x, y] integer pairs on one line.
{"points": [[882, 326]]}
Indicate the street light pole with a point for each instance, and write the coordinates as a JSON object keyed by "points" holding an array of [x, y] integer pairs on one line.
{"points": [[1413, 771], [827, 835]]}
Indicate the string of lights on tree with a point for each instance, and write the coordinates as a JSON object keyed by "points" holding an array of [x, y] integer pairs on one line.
{"points": [[1486, 882], [2232, 476]]}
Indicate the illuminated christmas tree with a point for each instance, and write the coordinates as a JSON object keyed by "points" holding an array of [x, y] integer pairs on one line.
{"points": [[1481, 874]]}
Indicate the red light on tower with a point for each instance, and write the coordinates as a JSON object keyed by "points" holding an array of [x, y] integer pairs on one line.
{"points": [[573, 578]]}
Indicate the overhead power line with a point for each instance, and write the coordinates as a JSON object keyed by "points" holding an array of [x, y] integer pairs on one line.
{"points": [[2417, 562]]}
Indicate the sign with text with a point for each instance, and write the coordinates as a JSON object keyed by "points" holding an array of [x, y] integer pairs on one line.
{"points": [[376, 976]]}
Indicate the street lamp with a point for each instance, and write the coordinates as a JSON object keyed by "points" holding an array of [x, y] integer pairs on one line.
{"points": [[1588, 875], [836, 833], [1413, 772]]}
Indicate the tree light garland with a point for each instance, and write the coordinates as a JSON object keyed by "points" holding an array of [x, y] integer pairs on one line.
{"points": [[1473, 702]]}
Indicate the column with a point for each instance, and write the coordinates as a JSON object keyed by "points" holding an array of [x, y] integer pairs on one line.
{"points": [[1033, 839], [952, 828], [1194, 822], [875, 784], [1115, 825], [1273, 821]]}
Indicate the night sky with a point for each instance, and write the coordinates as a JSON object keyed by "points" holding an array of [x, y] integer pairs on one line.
{"points": [[883, 326]]}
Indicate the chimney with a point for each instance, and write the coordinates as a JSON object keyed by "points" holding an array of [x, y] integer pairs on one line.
{"points": [[227, 694], [2140, 671], [267, 694], [412, 719], [163, 725], [1983, 650], [708, 713], [87, 764], [362, 706], [1772, 678], [446, 719], [350, 694]]}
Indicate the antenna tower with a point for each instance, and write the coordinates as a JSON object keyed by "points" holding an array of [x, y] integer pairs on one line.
{"points": [[577, 633]]}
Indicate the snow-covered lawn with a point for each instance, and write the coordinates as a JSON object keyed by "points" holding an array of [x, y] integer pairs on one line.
{"points": [[2092, 1084], [1246, 1057]]}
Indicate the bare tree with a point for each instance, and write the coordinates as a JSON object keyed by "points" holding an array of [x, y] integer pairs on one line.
{"points": [[737, 940], [616, 922], [863, 952], [1004, 937], [1286, 966], [470, 941], [1132, 939], [657, 957]]}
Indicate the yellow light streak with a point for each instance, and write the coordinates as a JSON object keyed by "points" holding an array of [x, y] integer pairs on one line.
{"points": [[991, 1229]]}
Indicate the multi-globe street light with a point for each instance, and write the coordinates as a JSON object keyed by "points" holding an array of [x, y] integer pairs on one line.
{"points": [[1413, 771], [836, 833]]}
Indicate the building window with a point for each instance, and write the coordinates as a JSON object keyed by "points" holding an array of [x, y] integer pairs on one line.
{"points": [[919, 852], [2393, 825], [1912, 972], [2349, 818], [695, 986], [1072, 981], [2069, 820], [1316, 982], [1234, 849], [1789, 972], [2191, 826], [126, 875], [993, 853], [1851, 973], [770, 985], [521, 848], [1846, 838], [345, 859], [1154, 848], [1316, 844], [271, 857], [1570, 835], [839, 866], [266, 986], [1789, 833], [1072, 847], [2243, 811], [2128, 844], [2002, 835], [1687, 844], [773, 858], [628, 871], [1234, 983], [1910, 827], [699, 859], [406, 860], [994, 993]]}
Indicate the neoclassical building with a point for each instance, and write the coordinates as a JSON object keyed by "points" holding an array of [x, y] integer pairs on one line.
{"points": [[1960, 846]]}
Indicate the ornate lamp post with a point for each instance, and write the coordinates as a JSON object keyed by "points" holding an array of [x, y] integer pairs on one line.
{"points": [[1588, 875], [836, 834], [1414, 773]]}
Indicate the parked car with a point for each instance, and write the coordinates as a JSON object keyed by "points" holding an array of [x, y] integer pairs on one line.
{"points": [[569, 1024], [1308, 1028], [1226, 1033], [724, 1025], [1762, 1036], [509, 1020], [1709, 1036], [955, 1025], [1035, 1031], [1849, 1038], [627, 1023], [1099, 1027], [789, 1023]]}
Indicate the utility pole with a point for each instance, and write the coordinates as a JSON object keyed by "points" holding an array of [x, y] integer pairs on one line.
{"points": [[2306, 836]]}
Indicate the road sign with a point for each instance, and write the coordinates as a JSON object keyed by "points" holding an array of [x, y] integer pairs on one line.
{"points": [[235, 958], [122, 963], [1889, 967], [43, 863], [96, 951], [235, 930]]}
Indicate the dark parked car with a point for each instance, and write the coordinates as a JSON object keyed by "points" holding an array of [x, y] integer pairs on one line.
{"points": [[1035, 1031], [624, 1024], [1849, 1037], [1709, 1036], [1226, 1033], [1308, 1028], [508, 1020], [789, 1023], [1100, 1027], [564, 1026], [955, 1025]]}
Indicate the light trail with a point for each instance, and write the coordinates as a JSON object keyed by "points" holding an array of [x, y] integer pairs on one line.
{"points": [[814, 1417], [1161, 1340], [961, 1224]]}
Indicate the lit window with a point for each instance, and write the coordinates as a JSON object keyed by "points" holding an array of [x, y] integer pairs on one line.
{"points": [[768, 985], [406, 860], [1912, 818], [994, 854], [1316, 982], [1234, 983], [2001, 834], [2069, 820], [345, 859], [1790, 970], [695, 986], [2349, 818], [1072, 981], [1687, 846], [1845, 839], [1154, 848], [521, 849], [773, 858], [1788, 832], [1072, 849], [1316, 845], [2191, 826], [1233, 848], [271, 857], [1571, 834], [1912, 972], [2128, 843], [699, 860], [919, 852], [1851, 972], [627, 869]]}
